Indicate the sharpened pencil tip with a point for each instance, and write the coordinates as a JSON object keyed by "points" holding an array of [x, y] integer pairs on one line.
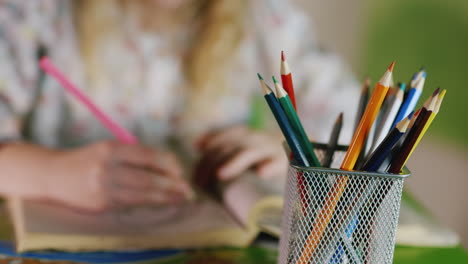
{"points": [[402, 86], [436, 92], [340, 117], [259, 76], [274, 79], [442, 94], [411, 115], [282, 56], [366, 85], [423, 68], [390, 68]]}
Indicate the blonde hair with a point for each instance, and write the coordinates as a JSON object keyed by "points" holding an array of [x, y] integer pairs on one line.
{"points": [[220, 32]]}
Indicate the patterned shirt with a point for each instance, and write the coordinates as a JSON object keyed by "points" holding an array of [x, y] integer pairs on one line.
{"points": [[145, 89]]}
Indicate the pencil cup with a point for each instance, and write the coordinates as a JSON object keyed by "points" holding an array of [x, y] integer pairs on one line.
{"points": [[335, 216]]}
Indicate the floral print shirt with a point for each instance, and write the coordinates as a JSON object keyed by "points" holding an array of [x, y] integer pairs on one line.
{"points": [[145, 87]]}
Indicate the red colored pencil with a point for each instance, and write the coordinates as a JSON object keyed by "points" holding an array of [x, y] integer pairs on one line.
{"points": [[286, 80]]}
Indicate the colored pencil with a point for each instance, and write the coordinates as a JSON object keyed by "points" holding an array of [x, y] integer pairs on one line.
{"points": [[400, 156], [378, 156], [288, 108], [286, 80], [326, 213], [333, 142], [433, 114], [389, 115], [399, 160], [342, 247], [284, 124], [365, 191], [118, 131], [411, 100], [372, 109], [363, 99]]}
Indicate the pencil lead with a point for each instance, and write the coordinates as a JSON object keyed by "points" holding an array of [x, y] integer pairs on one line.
{"points": [[366, 85], [440, 98], [274, 79], [266, 90], [259, 76], [402, 86], [283, 58], [390, 68], [340, 117], [423, 68], [442, 94], [436, 92]]}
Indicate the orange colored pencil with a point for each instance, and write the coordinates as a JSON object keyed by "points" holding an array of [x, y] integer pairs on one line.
{"points": [[286, 79], [372, 109], [335, 193]]}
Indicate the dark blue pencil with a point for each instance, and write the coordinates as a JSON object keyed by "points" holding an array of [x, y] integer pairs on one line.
{"points": [[285, 126], [375, 160]]}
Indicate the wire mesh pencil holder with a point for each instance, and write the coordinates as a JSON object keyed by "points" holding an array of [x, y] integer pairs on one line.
{"points": [[335, 216]]}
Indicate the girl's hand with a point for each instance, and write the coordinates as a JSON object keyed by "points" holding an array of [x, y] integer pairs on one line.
{"points": [[110, 174], [230, 152]]}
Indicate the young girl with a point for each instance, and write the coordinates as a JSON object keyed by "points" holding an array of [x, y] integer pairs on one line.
{"points": [[168, 70]]}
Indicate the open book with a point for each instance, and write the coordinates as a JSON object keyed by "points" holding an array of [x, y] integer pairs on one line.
{"points": [[247, 203]]}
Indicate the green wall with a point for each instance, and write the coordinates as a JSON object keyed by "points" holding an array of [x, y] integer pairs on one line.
{"points": [[426, 33]]}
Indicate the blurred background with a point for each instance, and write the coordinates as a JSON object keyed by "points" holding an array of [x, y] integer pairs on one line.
{"points": [[369, 34]]}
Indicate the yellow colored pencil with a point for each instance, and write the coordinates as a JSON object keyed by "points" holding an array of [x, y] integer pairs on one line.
{"points": [[434, 113]]}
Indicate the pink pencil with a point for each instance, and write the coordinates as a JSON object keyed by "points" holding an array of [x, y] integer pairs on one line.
{"points": [[122, 134]]}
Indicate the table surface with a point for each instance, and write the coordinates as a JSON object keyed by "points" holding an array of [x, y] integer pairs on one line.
{"points": [[255, 254]]}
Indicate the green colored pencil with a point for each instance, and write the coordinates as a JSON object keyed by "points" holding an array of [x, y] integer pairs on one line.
{"points": [[288, 131], [288, 108]]}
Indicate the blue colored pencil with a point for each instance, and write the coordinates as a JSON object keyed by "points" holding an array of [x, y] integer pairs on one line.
{"points": [[284, 124], [340, 250], [411, 99]]}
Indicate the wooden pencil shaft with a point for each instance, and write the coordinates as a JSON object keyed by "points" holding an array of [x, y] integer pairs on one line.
{"points": [[378, 156], [364, 127], [323, 218], [399, 160], [286, 80], [388, 118], [287, 130], [299, 129], [408, 105], [362, 103], [333, 142]]}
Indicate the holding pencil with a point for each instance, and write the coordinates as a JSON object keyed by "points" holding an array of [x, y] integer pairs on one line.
{"points": [[118, 131]]}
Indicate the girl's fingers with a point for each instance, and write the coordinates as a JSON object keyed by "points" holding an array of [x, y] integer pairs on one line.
{"points": [[241, 162], [142, 180], [228, 135], [127, 197], [141, 156], [270, 168]]}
